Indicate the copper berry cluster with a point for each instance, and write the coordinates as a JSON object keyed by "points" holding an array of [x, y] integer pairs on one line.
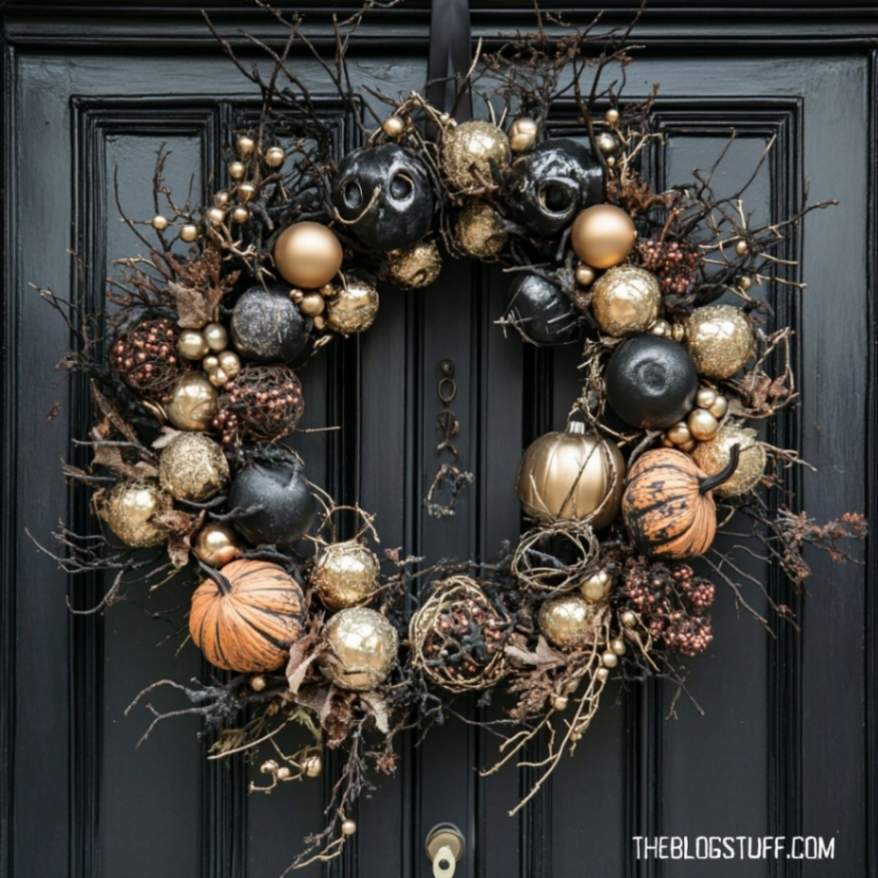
{"points": [[672, 263], [146, 357]]}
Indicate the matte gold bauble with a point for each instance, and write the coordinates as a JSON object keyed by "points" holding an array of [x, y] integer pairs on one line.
{"points": [[702, 424], [308, 255], [346, 574], [159, 222], [348, 827], [569, 621], [237, 170], [217, 377], [360, 649], [479, 230], [215, 216], [572, 474], [216, 545], [275, 157], [216, 336], [129, 509], [240, 214], [354, 307], [393, 126], [470, 153], [189, 232], [626, 300], [415, 267], [596, 587], [192, 345], [612, 116], [602, 235], [193, 467], [245, 145], [229, 362], [713, 456], [312, 304], [523, 134], [720, 340], [193, 402], [584, 275]]}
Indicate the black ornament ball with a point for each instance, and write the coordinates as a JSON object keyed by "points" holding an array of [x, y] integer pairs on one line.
{"points": [[402, 210], [277, 492], [268, 327], [549, 186], [541, 312], [651, 382]]}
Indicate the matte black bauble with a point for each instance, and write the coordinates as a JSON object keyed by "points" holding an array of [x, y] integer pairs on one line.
{"points": [[550, 185], [541, 312], [651, 382], [267, 327], [402, 210], [280, 499]]}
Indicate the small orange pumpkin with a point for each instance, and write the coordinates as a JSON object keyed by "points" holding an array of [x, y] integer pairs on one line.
{"points": [[248, 616], [668, 503]]}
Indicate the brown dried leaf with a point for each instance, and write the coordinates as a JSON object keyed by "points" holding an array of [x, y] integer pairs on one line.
{"points": [[378, 708]]}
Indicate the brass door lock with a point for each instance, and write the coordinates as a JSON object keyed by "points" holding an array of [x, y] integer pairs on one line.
{"points": [[444, 845]]}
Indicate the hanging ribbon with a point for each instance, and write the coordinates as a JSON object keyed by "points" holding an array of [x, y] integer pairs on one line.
{"points": [[449, 57]]}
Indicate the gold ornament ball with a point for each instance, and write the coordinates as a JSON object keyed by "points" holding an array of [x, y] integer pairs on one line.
{"points": [[245, 145], [240, 215], [284, 773], [258, 683], [523, 134], [626, 300], [210, 364], [129, 509], [221, 199], [360, 649], [705, 397], [720, 340], [596, 587], [602, 674], [189, 233], [229, 362], [193, 467], [745, 283], [216, 336], [560, 702], [313, 767], [713, 456], [393, 126], [270, 766], [607, 144], [415, 267], [216, 545], [308, 255], [215, 216], [237, 170], [348, 827], [568, 621], [470, 153], [312, 304], [192, 345], [679, 434], [193, 402], [584, 275], [629, 618], [346, 574], [354, 307], [246, 191], [612, 116], [602, 235], [479, 230], [159, 223], [275, 157], [702, 425], [742, 248], [661, 328], [217, 377], [720, 406], [609, 659]]}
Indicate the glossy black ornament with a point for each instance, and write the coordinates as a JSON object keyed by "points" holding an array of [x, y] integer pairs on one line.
{"points": [[651, 382], [549, 186], [401, 212], [267, 327], [286, 507], [541, 312]]}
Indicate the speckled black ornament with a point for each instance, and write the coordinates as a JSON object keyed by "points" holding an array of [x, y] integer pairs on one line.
{"points": [[267, 327], [549, 186], [286, 506], [541, 312], [651, 382], [402, 210]]}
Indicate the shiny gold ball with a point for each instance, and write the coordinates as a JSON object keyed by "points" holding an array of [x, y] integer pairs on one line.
{"points": [[346, 574], [221, 199], [560, 702], [714, 455], [705, 397], [393, 126], [523, 134], [702, 425], [237, 170], [720, 406], [742, 248], [745, 282], [193, 402], [270, 766], [216, 336], [629, 618], [360, 649], [217, 377], [245, 145], [159, 223], [189, 233], [308, 255], [354, 307], [606, 143], [602, 674], [193, 467], [275, 157], [584, 275], [216, 545], [215, 216], [415, 267], [313, 767], [192, 345], [612, 116], [720, 340], [609, 659], [626, 300], [240, 214], [602, 235], [348, 827], [210, 363], [246, 191], [129, 509], [679, 434], [661, 328], [569, 621], [258, 682], [229, 362], [479, 230], [312, 304], [596, 588], [471, 152], [284, 773], [617, 646], [611, 161]]}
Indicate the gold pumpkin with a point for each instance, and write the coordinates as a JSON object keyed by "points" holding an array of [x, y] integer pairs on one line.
{"points": [[572, 474]]}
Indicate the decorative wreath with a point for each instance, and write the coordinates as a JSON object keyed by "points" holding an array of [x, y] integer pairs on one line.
{"points": [[194, 380]]}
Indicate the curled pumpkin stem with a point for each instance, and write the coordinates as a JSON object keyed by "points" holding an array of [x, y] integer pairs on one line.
{"points": [[713, 482]]}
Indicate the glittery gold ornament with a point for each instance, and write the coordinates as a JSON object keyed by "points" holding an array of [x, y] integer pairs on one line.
{"points": [[308, 255], [720, 340], [360, 649], [416, 266], [193, 402], [216, 545], [470, 153], [353, 308], [596, 587], [193, 467], [129, 509], [345, 574], [523, 134], [569, 621], [626, 300], [479, 230], [714, 455], [602, 235]]}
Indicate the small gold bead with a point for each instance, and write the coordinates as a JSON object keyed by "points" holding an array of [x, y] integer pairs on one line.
{"points": [[296, 296], [189, 233], [215, 216], [221, 199], [609, 660], [678, 332], [612, 116], [720, 406], [312, 305], [327, 290], [210, 363], [660, 327], [246, 191], [393, 126], [191, 344], [274, 157], [602, 674], [607, 144], [159, 222], [745, 283], [629, 618], [319, 322], [611, 161], [560, 702], [702, 425], [705, 397], [240, 214], [742, 248], [689, 446], [618, 646], [229, 362], [576, 736], [584, 275], [679, 433], [283, 773], [245, 146], [217, 377], [313, 766], [237, 170], [348, 827], [269, 766], [258, 682], [216, 337]]}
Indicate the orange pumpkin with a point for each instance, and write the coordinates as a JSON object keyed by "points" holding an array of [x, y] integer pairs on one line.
{"points": [[668, 503], [247, 618]]}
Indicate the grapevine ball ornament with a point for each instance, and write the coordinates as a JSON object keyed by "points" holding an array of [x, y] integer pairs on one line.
{"points": [[471, 154], [626, 300], [603, 235], [353, 306], [193, 467], [540, 312], [720, 340], [480, 230], [714, 455], [145, 357], [216, 545], [345, 575], [570, 621], [130, 509], [308, 255], [247, 617], [360, 649], [267, 327], [193, 402], [415, 267]]}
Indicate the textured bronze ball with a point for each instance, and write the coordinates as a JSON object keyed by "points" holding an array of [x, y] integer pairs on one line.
{"points": [[193, 467], [480, 231], [353, 308], [720, 340], [569, 621], [216, 545], [193, 402], [603, 235], [523, 134], [471, 152], [361, 649], [345, 574], [626, 300], [308, 255], [714, 455], [416, 267], [129, 510]]}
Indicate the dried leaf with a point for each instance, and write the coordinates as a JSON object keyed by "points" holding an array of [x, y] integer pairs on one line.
{"points": [[378, 708]]}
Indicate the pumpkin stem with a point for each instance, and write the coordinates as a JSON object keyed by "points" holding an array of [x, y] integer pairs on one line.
{"points": [[221, 581], [724, 474]]}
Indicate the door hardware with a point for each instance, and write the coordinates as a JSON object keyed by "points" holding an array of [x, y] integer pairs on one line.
{"points": [[445, 846]]}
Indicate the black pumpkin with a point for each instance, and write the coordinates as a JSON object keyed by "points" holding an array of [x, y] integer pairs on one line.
{"points": [[401, 211], [651, 382], [549, 186], [273, 501], [267, 327], [541, 312]]}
